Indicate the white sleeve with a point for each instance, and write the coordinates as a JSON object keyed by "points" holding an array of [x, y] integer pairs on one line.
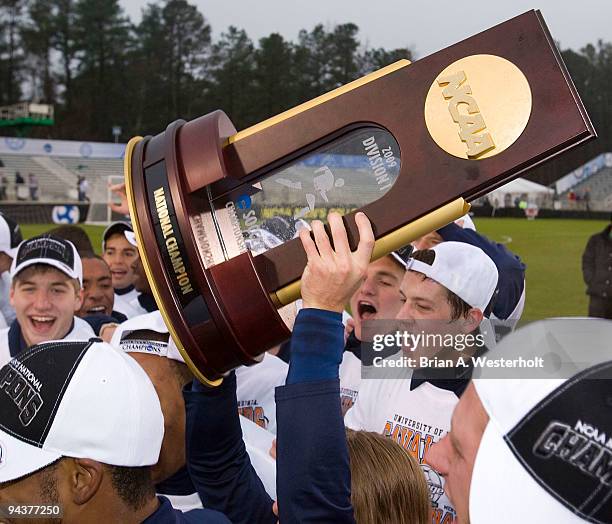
{"points": [[5, 353], [255, 387]]}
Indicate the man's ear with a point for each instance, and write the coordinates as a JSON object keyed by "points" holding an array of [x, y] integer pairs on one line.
{"points": [[85, 477], [472, 320], [78, 303]]}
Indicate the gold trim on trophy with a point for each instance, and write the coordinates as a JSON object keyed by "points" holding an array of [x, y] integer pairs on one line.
{"points": [[127, 169], [478, 106], [394, 240], [318, 100]]}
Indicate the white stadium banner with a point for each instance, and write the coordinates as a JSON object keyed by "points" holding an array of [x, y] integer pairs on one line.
{"points": [[584, 172], [65, 148]]}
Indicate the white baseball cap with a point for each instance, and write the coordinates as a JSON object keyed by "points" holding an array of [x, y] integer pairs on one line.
{"points": [[131, 237], [546, 453], [150, 322], [10, 236], [522, 472], [466, 222], [51, 251], [76, 399], [402, 255], [464, 269]]}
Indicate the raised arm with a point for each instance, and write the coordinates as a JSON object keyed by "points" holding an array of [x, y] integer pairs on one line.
{"points": [[313, 471], [217, 460]]}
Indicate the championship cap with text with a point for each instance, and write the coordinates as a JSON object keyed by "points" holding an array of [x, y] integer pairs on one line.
{"points": [[76, 399], [51, 251]]}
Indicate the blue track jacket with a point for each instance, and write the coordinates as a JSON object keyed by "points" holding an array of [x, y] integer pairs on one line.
{"points": [[313, 475]]}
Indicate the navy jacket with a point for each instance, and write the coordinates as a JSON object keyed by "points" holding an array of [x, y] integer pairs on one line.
{"points": [[313, 475], [97, 321], [166, 514], [217, 460], [313, 481], [509, 266]]}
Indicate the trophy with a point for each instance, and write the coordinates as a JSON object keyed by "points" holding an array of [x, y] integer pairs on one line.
{"points": [[216, 211]]}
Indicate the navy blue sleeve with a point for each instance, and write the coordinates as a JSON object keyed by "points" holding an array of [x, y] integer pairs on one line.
{"points": [[166, 514], [97, 321], [317, 344], [509, 266], [217, 459], [313, 480]]}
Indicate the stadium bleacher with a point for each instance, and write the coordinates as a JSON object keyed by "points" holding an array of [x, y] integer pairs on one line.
{"points": [[599, 187], [58, 176]]}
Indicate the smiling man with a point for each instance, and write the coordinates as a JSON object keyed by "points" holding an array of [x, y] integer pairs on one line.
{"points": [[98, 295], [98, 292], [120, 254], [449, 289], [45, 293]]}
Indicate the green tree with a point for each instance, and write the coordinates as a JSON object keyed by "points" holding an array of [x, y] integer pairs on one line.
{"points": [[64, 44], [11, 57], [169, 63], [374, 59], [272, 76], [343, 57], [103, 41], [232, 74], [311, 64], [37, 36], [188, 45]]}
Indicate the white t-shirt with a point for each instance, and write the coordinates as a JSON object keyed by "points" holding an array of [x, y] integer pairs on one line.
{"points": [[137, 308], [123, 303], [415, 419], [255, 390], [7, 313], [80, 331], [350, 379]]}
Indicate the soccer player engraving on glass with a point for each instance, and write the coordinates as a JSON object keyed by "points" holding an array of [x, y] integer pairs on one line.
{"points": [[216, 211]]}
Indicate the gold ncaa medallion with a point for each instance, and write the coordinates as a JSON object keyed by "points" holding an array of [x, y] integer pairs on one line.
{"points": [[478, 106]]}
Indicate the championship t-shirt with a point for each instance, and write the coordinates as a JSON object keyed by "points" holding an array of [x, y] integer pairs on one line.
{"points": [[255, 390], [350, 378], [415, 419]]}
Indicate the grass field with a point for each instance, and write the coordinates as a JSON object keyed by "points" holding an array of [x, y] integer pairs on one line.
{"points": [[551, 248]]}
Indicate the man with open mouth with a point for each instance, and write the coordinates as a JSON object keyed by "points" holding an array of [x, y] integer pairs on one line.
{"points": [[98, 295], [378, 298], [120, 254], [448, 288], [46, 292]]}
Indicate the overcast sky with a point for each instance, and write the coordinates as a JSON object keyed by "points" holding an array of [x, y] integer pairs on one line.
{"points": [[424, 26]]}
